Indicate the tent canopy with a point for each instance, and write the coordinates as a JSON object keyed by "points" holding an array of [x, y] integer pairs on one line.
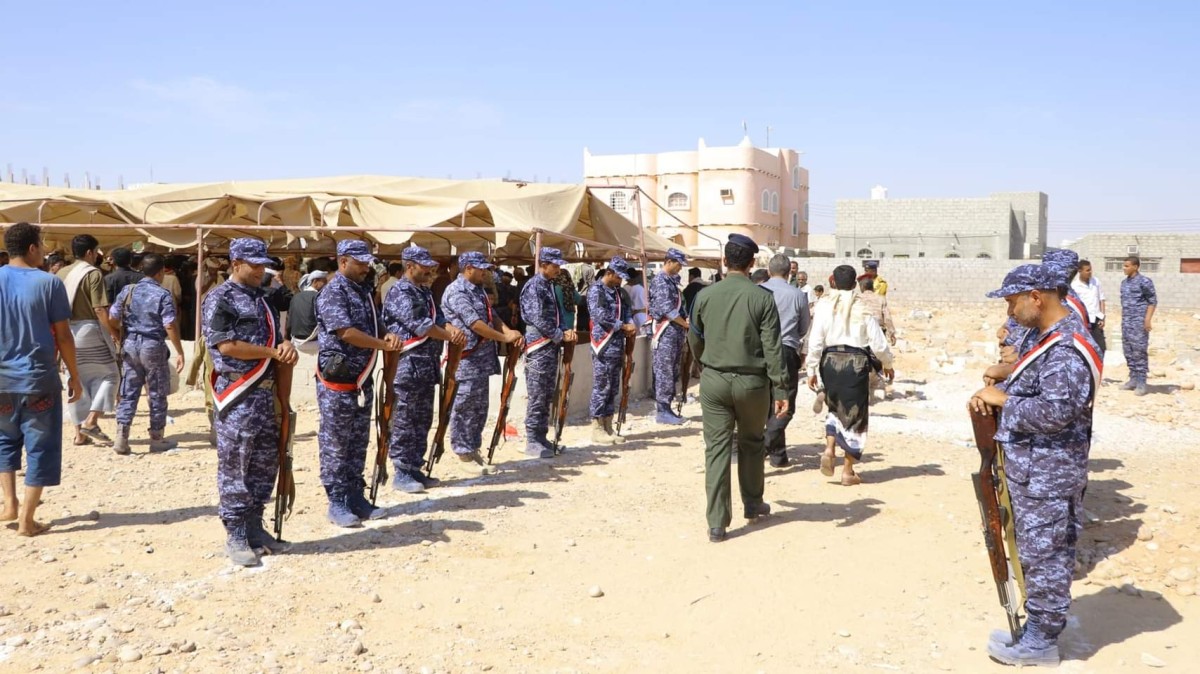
{"points": [[397, 210]]}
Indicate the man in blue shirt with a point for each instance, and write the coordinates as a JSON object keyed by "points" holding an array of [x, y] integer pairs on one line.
{"points": [[34, 332]]}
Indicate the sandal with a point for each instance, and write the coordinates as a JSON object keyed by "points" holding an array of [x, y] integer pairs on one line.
{"points": [[95, 433], [827, 465], [84, 441]]}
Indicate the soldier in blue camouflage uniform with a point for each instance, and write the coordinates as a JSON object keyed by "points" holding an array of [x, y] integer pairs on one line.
{"points": [[466, 307], [1138, 302], [242, 334], [670, 325], [409, 313], [544, 336], [348, 335], [610, 327], [1045, 431], [1064, 264], [147, 311]]}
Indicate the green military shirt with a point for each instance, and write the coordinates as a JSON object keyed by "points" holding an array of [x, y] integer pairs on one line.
{"points": [[735, 328]]}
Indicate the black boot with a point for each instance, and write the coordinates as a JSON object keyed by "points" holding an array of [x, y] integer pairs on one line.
{"points": [[261, 541], [237, 546]]}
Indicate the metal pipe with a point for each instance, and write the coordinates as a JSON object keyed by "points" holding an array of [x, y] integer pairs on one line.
{"points": [[199, 283]]}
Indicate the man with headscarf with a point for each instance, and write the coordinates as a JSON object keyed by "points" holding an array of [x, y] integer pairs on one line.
{"points": [[670, 329], [846, 343], [610, 327], [302, 312]]}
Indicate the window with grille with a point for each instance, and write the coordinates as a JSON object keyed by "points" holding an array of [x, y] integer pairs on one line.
{"points": [[677, 200], [865, 252], [617, 201]]}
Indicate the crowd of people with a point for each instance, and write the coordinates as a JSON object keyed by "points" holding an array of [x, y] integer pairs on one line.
{"points": [[752, 342]]}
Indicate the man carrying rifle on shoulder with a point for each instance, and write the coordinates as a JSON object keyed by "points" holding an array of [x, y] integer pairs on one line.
{"points": [[410, 313], [670, 327], [1044, 402], [610, 327], [242, 334], [467, 308], [544, 336]]}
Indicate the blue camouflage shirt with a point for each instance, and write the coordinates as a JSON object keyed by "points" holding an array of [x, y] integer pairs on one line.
{"points": [[666, 303], [465, 303], [151, 309], [1137, 295], [342, 303], [539, 310], [409, 313], [233, 312], [606, 310], [1023, 338], [1046, 424]]}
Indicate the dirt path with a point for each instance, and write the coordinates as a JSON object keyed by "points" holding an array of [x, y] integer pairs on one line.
{"points": [[495, 572]]}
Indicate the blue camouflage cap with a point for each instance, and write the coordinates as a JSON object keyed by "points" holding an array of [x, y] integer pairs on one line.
{"points": [[1025, 278], [355, 248], [249, 250], [744, 241], [620, 267], [676, 255], [551, 256], [473, 258], [418, 255], [1062, 258]]}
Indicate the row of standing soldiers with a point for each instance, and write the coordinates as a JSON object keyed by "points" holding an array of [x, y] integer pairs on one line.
{"points": [[252, 362]]}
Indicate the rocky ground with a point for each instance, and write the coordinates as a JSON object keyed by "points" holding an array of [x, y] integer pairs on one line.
{"points": [[598, 561]]}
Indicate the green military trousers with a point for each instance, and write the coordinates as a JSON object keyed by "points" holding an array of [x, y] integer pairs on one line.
{"points": [[729, 401]]}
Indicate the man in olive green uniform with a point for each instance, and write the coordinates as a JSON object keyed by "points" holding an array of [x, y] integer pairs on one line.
{"points": [[735, 335]]}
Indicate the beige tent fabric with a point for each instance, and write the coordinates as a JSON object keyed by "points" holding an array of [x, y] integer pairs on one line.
{"points": [[398, 207]]}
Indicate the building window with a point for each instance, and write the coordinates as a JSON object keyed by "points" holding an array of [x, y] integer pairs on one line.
{"points": [[1189, 265], [953, 255], [617, 201], [795, 223], [984, 256], [865, 252], [920, 254], [766, 201], [795, 177], [677, 201], [774, 202], [901, 256], [1150, 265]]}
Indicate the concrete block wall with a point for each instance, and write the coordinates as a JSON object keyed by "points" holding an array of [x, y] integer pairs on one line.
{"points": [[932, 227], [1169, 249], [948, 281]]}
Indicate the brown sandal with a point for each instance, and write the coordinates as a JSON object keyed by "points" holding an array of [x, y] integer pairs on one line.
{"points": [[827, 465]]}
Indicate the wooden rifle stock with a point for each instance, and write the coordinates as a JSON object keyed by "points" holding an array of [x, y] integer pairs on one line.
{"points": [[987, 490], [510, 382], [685, 372], [626, 375], [285, 489], [562, 393], [449, 388], [384, 399]]}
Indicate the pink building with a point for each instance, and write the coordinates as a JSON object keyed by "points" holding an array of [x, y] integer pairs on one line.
{"points": [[714, 191]]}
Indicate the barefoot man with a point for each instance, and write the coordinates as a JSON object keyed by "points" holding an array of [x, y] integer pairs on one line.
{"points": [[34, 330]]}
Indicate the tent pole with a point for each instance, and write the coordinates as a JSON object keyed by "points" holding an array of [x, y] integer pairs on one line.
{"points": [[537, 250], [641, 231], [199, 281]]}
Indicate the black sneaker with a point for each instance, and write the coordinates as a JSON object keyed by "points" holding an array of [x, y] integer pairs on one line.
{"points": [[407, 482]]}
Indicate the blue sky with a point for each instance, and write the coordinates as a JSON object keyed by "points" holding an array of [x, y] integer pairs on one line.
{"points": [[1094, 103]]}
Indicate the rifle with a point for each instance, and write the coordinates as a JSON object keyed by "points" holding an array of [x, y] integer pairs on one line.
{"points": [[449, 387], [510, 382], [285, 490], [626, 374], [384, 396], [989, 485], [685, 371], [562, 393]]}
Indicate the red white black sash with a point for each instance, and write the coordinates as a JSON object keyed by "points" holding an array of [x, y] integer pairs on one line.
{"points": [[543, 341], [363, 376], [598, 345], [1078, 307], [242, 387], [410, 344], [661, 326], [1080, 344]]}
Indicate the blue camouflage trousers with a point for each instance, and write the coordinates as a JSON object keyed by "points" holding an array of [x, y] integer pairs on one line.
{"points": [[666, 365], [606, 380], [247, 455], [146, 362], [541, 374], [343, 436], [412, 416], [1135, 343], [470, 414], [1047, 530]]}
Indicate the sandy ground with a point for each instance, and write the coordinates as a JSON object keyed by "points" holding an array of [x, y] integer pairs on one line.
{"points": [[496, 572]]}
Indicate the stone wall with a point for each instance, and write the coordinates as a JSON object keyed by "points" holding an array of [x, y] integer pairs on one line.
{"points": [[943, 281], [1166, 249]]}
